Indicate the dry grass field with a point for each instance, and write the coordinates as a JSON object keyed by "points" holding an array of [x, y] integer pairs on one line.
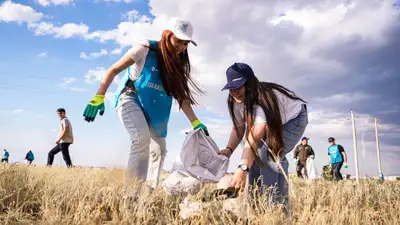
{"points": [[38, 195]]}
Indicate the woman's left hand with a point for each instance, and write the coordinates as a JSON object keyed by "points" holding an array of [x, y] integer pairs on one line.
{"points": [[198, 125], [239, 179]]}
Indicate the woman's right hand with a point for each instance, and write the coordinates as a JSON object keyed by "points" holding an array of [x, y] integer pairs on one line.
{"points": [[95, 105], [226, 152]]}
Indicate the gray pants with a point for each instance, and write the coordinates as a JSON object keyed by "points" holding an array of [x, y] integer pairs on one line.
{"points": [[269, 175], [147, 150]]}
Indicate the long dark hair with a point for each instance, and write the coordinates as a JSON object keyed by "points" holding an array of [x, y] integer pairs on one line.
{"points": [[262, 94], [175, 70]]}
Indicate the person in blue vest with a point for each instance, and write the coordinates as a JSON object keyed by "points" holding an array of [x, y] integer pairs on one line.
{"points": [[270, 119], [337, 158], [157, 72], [30, 157], [5, 156]]}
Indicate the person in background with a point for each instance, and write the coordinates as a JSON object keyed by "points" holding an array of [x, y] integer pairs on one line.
{"points": [[301, 154], [64, 140], [337, 158], [5, 156], [272, 119], [158, 71], [29, 157]]}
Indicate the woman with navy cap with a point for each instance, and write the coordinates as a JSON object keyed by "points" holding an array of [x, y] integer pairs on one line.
{"points": [[272, 119]]}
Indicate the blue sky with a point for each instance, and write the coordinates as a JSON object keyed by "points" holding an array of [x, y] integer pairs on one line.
{"points": [[53, 55]]}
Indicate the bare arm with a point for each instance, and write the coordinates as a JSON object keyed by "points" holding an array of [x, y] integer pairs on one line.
{"points": [[235, 138], [188, 110], [248, 156], [113, 71]]}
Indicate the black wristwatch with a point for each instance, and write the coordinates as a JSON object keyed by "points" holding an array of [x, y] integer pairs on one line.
{"points": [[243, 167]]}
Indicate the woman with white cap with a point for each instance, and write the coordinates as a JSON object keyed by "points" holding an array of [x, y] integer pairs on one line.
{"points": [[157, 72], [272, 119]]}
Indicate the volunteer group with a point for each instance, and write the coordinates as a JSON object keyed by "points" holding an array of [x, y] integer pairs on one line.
{"points": [[269, 118]]}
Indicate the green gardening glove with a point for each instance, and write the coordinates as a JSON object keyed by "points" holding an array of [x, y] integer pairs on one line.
{"points": [[96, 104], [198, 125]]}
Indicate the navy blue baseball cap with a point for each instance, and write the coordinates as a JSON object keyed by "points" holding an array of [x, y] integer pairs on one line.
{"points": [[331, 139], [305, 138], [237, 75]]}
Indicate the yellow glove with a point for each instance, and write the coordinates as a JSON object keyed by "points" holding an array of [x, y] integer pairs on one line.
{"points": [[95, 105]]}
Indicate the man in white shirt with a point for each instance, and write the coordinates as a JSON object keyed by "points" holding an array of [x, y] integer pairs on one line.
{"points": [[64, 140]]}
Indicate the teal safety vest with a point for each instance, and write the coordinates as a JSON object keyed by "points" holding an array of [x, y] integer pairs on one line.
{"points": [[155, 102], [335, 155]]}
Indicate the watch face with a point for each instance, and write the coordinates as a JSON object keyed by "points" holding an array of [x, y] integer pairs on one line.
{"points": [[243, 167]]}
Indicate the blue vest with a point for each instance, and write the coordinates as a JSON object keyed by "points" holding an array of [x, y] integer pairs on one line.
{"points": [[30, 156], [334, 153], [155, 102]]}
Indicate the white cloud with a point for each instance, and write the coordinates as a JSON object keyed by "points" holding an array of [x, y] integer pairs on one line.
{"points": [[43, 54], [65, 31], [54, 2], [18, 111], [73, 89], [66, 84], [118, 1], [94, 75], [67, 81], [116, 51], [345, 98], [14, 12], [133, 16], [93, 55]]}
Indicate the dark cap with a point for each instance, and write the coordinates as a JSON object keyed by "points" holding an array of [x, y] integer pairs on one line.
{"points": [[331, 139], [237, 75], [305, 138]]}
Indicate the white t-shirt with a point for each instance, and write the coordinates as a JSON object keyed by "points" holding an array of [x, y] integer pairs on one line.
{"points": [[69, 137], [289, 109], [138, 53]]}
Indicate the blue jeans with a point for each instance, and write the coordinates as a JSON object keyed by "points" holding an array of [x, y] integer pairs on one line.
{"points": [[270, 174]]}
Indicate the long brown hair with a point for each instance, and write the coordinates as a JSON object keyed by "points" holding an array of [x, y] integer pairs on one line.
{"points": [[262, 94], [175, 70]]}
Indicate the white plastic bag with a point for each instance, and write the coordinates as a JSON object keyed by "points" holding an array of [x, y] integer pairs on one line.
{"points": [[181, 183], [200, 159], [311, 169]]}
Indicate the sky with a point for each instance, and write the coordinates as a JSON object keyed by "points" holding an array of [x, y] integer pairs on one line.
{"points": [[338, 55]]}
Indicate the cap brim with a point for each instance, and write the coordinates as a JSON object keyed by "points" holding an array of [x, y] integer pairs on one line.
{"points": [[234, 84], [184, 37]]}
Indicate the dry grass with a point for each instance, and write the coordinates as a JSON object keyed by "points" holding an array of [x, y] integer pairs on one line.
{"points": [[37, 195]]}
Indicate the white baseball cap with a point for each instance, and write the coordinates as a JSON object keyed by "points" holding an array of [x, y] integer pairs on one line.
{"points": [[181, 28]]}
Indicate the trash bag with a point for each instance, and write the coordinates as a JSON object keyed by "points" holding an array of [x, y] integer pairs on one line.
{"points": [[198, 163], [180, 183], [199, 156], [312, 172], [327, 172]]}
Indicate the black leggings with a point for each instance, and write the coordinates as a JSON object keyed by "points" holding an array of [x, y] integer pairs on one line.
{"points": [[64, 148]]}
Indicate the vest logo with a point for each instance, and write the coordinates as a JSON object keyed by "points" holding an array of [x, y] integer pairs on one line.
{"points": [[155, 86], [153, 69]]}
